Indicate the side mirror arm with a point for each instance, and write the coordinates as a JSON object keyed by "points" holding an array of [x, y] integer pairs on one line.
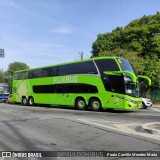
{"points": [[145, 77], [132, 75]]}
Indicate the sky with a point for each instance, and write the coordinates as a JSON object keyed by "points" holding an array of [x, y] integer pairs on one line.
{"points": [[46, 32]]}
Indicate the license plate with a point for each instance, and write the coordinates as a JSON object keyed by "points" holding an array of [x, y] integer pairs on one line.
{"points": [[5, 97]]}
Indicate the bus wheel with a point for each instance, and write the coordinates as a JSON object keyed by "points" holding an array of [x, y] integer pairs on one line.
{"points": [[80, 104], [24, 101], [144, 106], [31, 101], [95, 105]]}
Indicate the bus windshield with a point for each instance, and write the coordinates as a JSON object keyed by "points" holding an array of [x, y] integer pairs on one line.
{"points": [[131, 88], [126, 66], [4, 90]]}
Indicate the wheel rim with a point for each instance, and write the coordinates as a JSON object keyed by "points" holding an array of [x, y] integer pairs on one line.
{"points": [[81, 104], [31, 101], [24, 101], [96, 105]]}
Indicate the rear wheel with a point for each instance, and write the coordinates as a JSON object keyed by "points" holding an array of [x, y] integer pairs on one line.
{"points": [[24, 101], [31, 101], [80, 104], [95, 105]]}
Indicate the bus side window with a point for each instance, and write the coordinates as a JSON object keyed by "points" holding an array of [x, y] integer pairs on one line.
{"points": [[54, 71], [60, 88]]}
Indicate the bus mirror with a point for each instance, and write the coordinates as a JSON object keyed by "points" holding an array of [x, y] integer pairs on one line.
{"points": [[146, 78], [132, 75]]}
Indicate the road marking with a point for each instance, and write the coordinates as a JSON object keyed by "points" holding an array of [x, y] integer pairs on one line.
{"points": [[101, 125], [146, 114], [155, 109], [122, 128]]}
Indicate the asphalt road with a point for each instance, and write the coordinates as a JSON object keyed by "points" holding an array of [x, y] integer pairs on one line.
{"points": [[24, 128]]}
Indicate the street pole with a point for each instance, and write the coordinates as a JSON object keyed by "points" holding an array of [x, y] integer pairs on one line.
{"points": [[81, 55], [2, 55]]}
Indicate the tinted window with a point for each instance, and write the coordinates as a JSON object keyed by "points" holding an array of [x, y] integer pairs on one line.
{"points": [[77, 68], [65, 88], [44, 89], [17, 76], [39, 73], [47, 72], [114, 83], [107, 65], [24, 75], [126, 66]]}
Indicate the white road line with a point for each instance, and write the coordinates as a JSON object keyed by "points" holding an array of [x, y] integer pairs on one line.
{"points": [[97, 124], [97, 120], [122, 128], [140, 114], [155, 109]]}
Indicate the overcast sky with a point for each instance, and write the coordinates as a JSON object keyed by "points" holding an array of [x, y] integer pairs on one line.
{"points": [[45, 32]]}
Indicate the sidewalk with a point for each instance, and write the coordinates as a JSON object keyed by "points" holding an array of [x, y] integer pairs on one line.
{"points": [[156, 105], [152, 128]]}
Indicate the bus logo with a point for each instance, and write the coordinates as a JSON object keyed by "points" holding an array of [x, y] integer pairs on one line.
{"points": [[66, 79]]}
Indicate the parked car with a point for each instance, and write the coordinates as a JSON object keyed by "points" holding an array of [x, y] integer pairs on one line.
{"points": [[10, 98], [146, 103]]}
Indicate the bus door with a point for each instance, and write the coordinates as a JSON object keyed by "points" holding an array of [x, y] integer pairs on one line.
{"points": [[114, 85]]}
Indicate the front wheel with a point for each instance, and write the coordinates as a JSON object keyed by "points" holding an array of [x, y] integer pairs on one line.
{"points": [[80, 104], [144, 106], [95, 105]]}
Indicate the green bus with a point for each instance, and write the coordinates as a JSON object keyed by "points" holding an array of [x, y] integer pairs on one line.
{"points": [[98, 83]]}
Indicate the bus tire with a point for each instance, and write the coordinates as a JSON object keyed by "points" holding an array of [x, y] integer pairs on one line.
{"points": [[80, 104], [143, 106], [31, 101], [24, 101], [95, 105]]}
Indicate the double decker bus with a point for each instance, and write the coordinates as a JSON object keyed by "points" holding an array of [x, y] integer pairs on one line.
{"points": [[4, 91], [98, 83]]}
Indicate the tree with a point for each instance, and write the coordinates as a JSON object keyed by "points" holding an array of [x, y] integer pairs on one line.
{"points": [[139, 42], [152, 70], [15, 66], [141, 36], [2, 79]]}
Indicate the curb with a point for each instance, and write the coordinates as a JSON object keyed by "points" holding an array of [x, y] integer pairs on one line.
{"points": [[156, 105], [145, 128]]}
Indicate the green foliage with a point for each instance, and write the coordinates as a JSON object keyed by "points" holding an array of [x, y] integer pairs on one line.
{"points": [[15, 66], [152, 69], [139, 42], [2, 79], [141, 36]]}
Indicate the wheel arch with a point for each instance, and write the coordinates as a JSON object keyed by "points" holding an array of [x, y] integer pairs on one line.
{"points": [[82, 98], [24, 97]]}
